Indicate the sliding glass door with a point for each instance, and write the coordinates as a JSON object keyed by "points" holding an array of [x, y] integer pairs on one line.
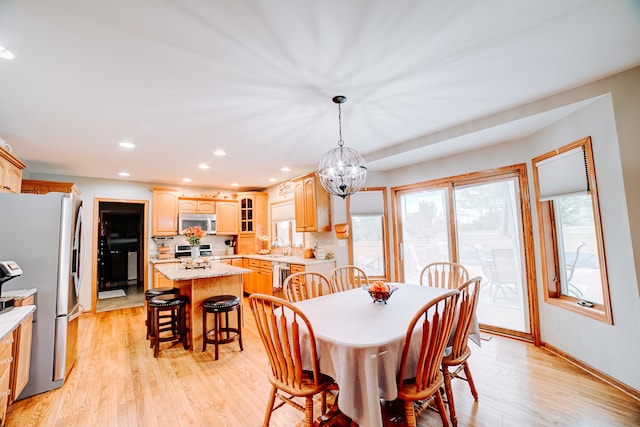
{"points": [[490, 244], [476, 220]]}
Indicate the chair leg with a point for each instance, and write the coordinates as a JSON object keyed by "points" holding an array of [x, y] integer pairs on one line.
{"points": [[204, 330], [183, 327], [217, 335], [308, 412], [450, 402], [409, 413], [155, 332], [240, 327], [272, 401], [467, 373], [441, 409]]}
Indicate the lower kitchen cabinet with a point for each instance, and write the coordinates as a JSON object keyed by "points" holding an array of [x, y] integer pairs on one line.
{"points": [[22, 338], [160, 280], [6, 346], [260, 280]]}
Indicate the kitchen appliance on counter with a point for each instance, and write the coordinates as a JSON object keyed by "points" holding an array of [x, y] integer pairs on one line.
{"points": [[43, 235], [185, 250], [8, 270]]}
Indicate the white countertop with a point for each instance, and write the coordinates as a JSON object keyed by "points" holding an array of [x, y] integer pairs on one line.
{"points": [[19, 293], [275, 258], [11, 319], [176, 271]]}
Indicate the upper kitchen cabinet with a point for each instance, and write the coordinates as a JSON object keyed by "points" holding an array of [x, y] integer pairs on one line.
{"points": [[165, 212], [312, 205], [32, 186], [253, 220], [227, 217], [193, 205], [10, 172]]}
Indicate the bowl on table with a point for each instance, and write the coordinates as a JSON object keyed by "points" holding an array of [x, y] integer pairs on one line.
{"points": [[380, 291]]}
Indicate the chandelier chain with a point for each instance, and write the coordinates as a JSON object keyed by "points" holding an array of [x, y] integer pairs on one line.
{"points": [[340, 141]]}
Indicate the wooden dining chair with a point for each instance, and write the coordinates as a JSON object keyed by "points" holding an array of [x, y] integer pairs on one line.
{"points": [[305, 285], [431, 325], [457, 353], [280, 325], [347, 277], [447, 275]]}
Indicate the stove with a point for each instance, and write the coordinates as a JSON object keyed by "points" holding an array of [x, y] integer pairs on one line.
{"points": [[8, 270], [185, 250]]}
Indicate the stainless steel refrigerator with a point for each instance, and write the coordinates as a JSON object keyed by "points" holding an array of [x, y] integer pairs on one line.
{"points": [[43, 235]]}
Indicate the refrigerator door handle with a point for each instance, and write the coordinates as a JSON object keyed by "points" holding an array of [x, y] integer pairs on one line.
{"points": [[76, 312]]}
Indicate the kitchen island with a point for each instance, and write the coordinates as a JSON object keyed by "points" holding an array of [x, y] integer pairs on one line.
{"points": [[199, 284]]}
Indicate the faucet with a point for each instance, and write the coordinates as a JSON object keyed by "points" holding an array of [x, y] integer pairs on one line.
{"points": [[278, 242]]}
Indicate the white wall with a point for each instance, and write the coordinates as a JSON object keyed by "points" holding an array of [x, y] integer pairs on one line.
{"points": [[611, 119]]}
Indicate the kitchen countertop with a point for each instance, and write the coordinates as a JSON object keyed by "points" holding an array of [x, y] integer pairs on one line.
{"points": [[275, 258], [19, 293], [176, 271], [11, 319]]}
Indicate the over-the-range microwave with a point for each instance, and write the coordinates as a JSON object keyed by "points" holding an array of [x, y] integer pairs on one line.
{"points": [[207, 222]]}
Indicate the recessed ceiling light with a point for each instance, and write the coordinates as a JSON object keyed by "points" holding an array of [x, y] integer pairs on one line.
{"points": [[5, 53], [203, 166], [219, 153], [285, 169], [272, 180], [234, 184], [186, 179], [124, 174], [127, 144]]}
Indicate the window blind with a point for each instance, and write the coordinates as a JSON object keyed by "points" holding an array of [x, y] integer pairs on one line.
{"points": [[366, 203], [282, 212], [563, 175]]}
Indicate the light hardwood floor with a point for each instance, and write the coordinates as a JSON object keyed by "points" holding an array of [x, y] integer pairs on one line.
{"points": [[117, 382]]}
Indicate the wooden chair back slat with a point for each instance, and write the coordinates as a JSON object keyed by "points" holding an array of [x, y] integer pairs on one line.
{"points": [[434, 321], [445, 275], [467, 304], [305, 285], [347, 277]]}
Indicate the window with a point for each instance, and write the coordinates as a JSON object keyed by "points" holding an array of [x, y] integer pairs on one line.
{"points": [[368, 236], [481, 221], [283, 226], [574, 269]]}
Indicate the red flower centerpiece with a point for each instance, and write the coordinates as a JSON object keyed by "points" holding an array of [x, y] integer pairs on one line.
{"points": [[193, 235]]}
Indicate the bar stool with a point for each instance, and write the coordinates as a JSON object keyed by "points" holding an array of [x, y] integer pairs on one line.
{"points": [[177, 306], [217, 305], [154, 292]]}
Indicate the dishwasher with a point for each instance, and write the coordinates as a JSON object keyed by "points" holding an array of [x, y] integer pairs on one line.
{"points": [[281, 271]]}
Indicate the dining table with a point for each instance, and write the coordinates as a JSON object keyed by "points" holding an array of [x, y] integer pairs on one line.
{"points": [[360, 344]]}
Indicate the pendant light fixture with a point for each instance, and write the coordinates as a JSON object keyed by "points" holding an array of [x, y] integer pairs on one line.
{"points": [[342, 171]]}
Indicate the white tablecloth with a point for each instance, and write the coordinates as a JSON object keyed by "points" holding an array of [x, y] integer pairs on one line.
{"points": [[360, 344]]}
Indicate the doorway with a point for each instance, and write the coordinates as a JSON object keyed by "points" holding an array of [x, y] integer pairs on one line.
{"points": [[120, 248]]}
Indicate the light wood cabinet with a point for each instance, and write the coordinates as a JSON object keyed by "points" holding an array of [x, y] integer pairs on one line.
{"points": [[227, 217], [191, 205], [32, 186], [22, 338], [312, 205], [260, 280], [160, 280], [164, 216], [6, 348], [252, 220], [10, 172]]}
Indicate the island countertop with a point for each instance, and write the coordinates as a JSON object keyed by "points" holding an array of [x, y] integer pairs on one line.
{"points": [[176, 271]]}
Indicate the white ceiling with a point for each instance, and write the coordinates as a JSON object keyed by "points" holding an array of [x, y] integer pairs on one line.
{"points": [[256, 78]]}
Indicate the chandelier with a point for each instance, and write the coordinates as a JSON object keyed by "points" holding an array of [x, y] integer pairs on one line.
{"points": [[342, 171]]}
